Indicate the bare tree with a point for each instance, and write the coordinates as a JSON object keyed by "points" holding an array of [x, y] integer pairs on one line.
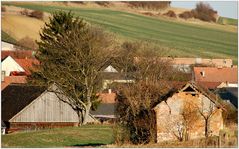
{"points": [[72, 55], [142, 63], [189, 116], [206, 111]]}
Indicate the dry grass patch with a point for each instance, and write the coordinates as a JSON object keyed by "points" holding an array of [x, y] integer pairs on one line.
{"points": [[19, 26]]}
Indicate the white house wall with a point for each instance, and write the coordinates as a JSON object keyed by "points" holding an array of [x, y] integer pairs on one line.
{"points": [[9, 65]]}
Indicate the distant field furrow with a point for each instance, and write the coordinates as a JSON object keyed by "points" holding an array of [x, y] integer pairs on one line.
{"points": [[184, 39]]}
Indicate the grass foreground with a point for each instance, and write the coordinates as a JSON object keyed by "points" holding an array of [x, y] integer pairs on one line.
{"points": [[89, 135]]}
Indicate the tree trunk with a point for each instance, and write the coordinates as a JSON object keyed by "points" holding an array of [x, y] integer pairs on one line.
{"points": [[87, 113], [206, 128], [79, 114]]}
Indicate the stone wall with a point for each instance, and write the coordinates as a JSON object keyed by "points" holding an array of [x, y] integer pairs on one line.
{"points": [[170, 121]]}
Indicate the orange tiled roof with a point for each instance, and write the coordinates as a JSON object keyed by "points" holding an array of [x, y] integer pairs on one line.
{"points": [[214, 74], [27, 64], [107, 97], [17, 54], [12, 79]]}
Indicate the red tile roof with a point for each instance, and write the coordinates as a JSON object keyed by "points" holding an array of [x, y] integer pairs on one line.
{"points": [[27, 64], [17, 54], [107, 97], [12, 79], [213, 75]]}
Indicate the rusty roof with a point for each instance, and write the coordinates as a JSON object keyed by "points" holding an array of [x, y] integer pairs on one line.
{"points": [[215, 74]]}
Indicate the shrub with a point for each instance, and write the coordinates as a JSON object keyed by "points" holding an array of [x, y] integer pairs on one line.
{"points": [[148, 13], [171, 14], [103, 3], [36, 14], [186, 15], [27, 43], [150, 4], [205, 12], [24, 12], [3, 9]]}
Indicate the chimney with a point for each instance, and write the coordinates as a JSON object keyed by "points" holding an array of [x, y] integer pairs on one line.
{"points": [[109, 91]]}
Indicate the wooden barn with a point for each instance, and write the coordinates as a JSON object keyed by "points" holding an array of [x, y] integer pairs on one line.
{"points": [[182, 115], [25, 106]]}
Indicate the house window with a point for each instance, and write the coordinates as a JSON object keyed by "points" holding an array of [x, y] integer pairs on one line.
{"points": [[3, 75]]}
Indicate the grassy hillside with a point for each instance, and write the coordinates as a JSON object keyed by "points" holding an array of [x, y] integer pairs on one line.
{"points": [[184, 40], [91, 135], [21, 26], [7, 38], [227, 21]]}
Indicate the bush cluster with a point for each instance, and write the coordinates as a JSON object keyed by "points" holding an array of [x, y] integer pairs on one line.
{"points": [[170, 13], [35, 14], [150, 4], [27, 43], [3, 9], [186, 15], [103, 3], [202, 11]]}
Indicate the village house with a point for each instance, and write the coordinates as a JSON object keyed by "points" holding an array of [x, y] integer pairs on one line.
{"points": [[229, 94], [184, 111], [22, 66], [7, 80], [7, 46], [111, 75], [26, 106], [213, 77], [20, 54], [30, 106], [185, 64]]}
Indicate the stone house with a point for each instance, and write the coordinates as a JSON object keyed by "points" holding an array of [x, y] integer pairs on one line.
{"points": [[181, 116]]}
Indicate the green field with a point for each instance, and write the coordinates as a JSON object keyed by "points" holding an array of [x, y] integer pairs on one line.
{"points": [[227, 21], [184, 40], [91, 135], [7, 38]]}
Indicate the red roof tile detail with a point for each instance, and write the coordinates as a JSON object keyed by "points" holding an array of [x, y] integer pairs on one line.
{"points": [[27, 64], [17, 54], [107, 97], [214, 74], [12, 79]]}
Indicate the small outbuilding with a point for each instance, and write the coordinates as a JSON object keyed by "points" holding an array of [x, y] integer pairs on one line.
{"points": [[182, 115]]}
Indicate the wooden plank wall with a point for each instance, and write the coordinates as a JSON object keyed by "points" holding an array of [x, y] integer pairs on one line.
{"points": [[46, 108]]}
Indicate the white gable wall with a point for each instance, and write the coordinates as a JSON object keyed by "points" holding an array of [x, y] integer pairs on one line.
{"points": [[7, 46], [9, 65], [110, 69]]}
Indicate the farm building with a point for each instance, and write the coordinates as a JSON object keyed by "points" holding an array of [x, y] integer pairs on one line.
{"points": [[11, 66], [33, 106], [185, 64], [6, 80], [229, 94], [20, 54], [184, 111], [212, 77]]}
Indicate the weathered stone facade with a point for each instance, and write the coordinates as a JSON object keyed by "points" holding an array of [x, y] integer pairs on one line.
{"points": [[181, 112]]}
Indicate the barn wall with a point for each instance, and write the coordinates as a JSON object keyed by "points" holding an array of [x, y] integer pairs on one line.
{"points": [[46, 108], [168, 117]]}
